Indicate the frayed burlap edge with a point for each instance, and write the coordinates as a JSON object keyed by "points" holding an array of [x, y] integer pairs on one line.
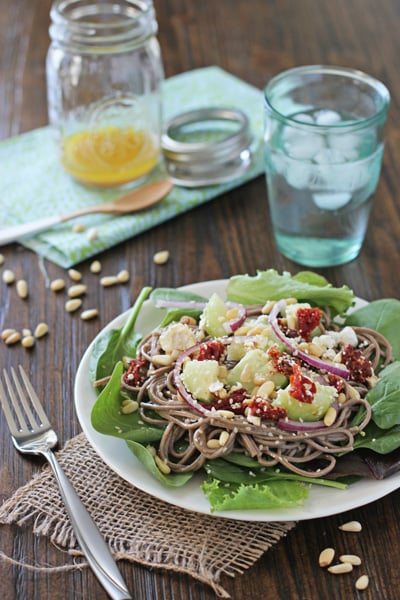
{"points": [[137, 526]]}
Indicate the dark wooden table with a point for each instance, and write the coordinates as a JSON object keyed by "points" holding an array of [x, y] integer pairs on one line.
{"points": [[253, 39]]}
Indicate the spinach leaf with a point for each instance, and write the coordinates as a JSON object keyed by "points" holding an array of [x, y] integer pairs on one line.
{"points": [[382, 441], [147, 459], [230, 470], [384, 398], [383, 316], [106, 416], [113, 344]]}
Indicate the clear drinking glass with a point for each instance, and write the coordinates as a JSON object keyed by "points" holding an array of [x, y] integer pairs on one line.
{"points": [[323, 154], [104, 76]]}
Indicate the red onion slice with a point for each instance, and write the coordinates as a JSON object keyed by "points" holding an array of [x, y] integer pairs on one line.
{"points": [[194, 304], [334, 368], [295, 426]]}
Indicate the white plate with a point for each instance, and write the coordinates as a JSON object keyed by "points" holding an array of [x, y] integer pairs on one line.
{"points": [[322, 501]]}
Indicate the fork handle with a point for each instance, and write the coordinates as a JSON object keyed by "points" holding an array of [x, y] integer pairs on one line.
{"points": [[89, 537]]}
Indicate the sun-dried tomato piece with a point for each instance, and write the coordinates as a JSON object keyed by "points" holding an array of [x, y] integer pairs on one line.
{"points": [[337, 382], [213, 350], [359, 366], [233, 401], [136, 373], [259, 407], [282, 362], [308, 319], [301, 387]]}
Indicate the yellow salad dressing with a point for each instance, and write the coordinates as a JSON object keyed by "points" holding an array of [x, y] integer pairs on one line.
{"points": [[109, 155]]}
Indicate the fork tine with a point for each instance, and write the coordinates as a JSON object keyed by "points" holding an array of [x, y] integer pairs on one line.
{"points": [[22, 401], [7, 410], [34, 399]]}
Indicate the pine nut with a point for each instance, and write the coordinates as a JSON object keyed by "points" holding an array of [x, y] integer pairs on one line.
{"points": [[22, 288], [326, 557], [353, 393], [352, 526], [340, 568], [74, 274], [162, 359], [95, 267], [162, 465], [13, 338], [109, 280], [315, 349], [160, 258], [1, 259], [268, 307], [130, 406], [225, 414], [266, 389], [246, 373], [92, 234], [123, 276], [41, 330], [57, 285], [90, 313], [77, 290], [28, 341], [353, 559], [362, 582], [213, 444], [330, 416], [232, 313], [152, 450], [26, 332], [78, 228], [259, 379], [223, 438], [8, 276], [7, 332], [342, 398], [73, 305]]}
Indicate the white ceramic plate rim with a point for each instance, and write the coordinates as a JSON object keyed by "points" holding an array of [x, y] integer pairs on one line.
{"points": [[322, 501]]}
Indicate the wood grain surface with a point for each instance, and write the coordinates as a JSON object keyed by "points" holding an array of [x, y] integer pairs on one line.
{"points": [[252, 39]]}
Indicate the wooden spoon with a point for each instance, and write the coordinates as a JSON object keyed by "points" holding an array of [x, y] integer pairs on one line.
{"points": [[134, 201]]}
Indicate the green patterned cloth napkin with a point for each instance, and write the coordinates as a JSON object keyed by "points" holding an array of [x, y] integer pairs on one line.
{"points": [[33, 184]]}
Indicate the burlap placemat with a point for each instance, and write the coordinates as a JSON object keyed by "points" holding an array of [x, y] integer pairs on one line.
{"points": [[137, 526]]}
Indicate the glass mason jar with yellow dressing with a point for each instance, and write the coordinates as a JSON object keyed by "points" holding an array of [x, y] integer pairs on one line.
{"points": [[104, 76]]}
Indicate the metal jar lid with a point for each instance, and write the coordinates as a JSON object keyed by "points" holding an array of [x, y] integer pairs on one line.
{"points": [[227, 153]]}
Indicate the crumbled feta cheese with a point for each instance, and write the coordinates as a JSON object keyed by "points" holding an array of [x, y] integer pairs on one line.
{"points": [[177, 337]]}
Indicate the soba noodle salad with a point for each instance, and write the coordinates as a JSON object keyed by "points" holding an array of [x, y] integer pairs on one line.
{"points": [[265, 392]]}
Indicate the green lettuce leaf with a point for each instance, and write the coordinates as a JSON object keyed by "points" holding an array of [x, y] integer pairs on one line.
{"points": [[270, 285], [232, 496]]}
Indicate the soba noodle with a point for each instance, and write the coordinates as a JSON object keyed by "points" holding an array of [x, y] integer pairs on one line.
{"points": [[185, 443]]}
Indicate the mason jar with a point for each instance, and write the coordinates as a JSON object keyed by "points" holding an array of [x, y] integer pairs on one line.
{"points": [[104, 76]]}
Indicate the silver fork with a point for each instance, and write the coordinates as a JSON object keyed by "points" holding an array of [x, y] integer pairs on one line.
{"points": [[32, 434]]}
